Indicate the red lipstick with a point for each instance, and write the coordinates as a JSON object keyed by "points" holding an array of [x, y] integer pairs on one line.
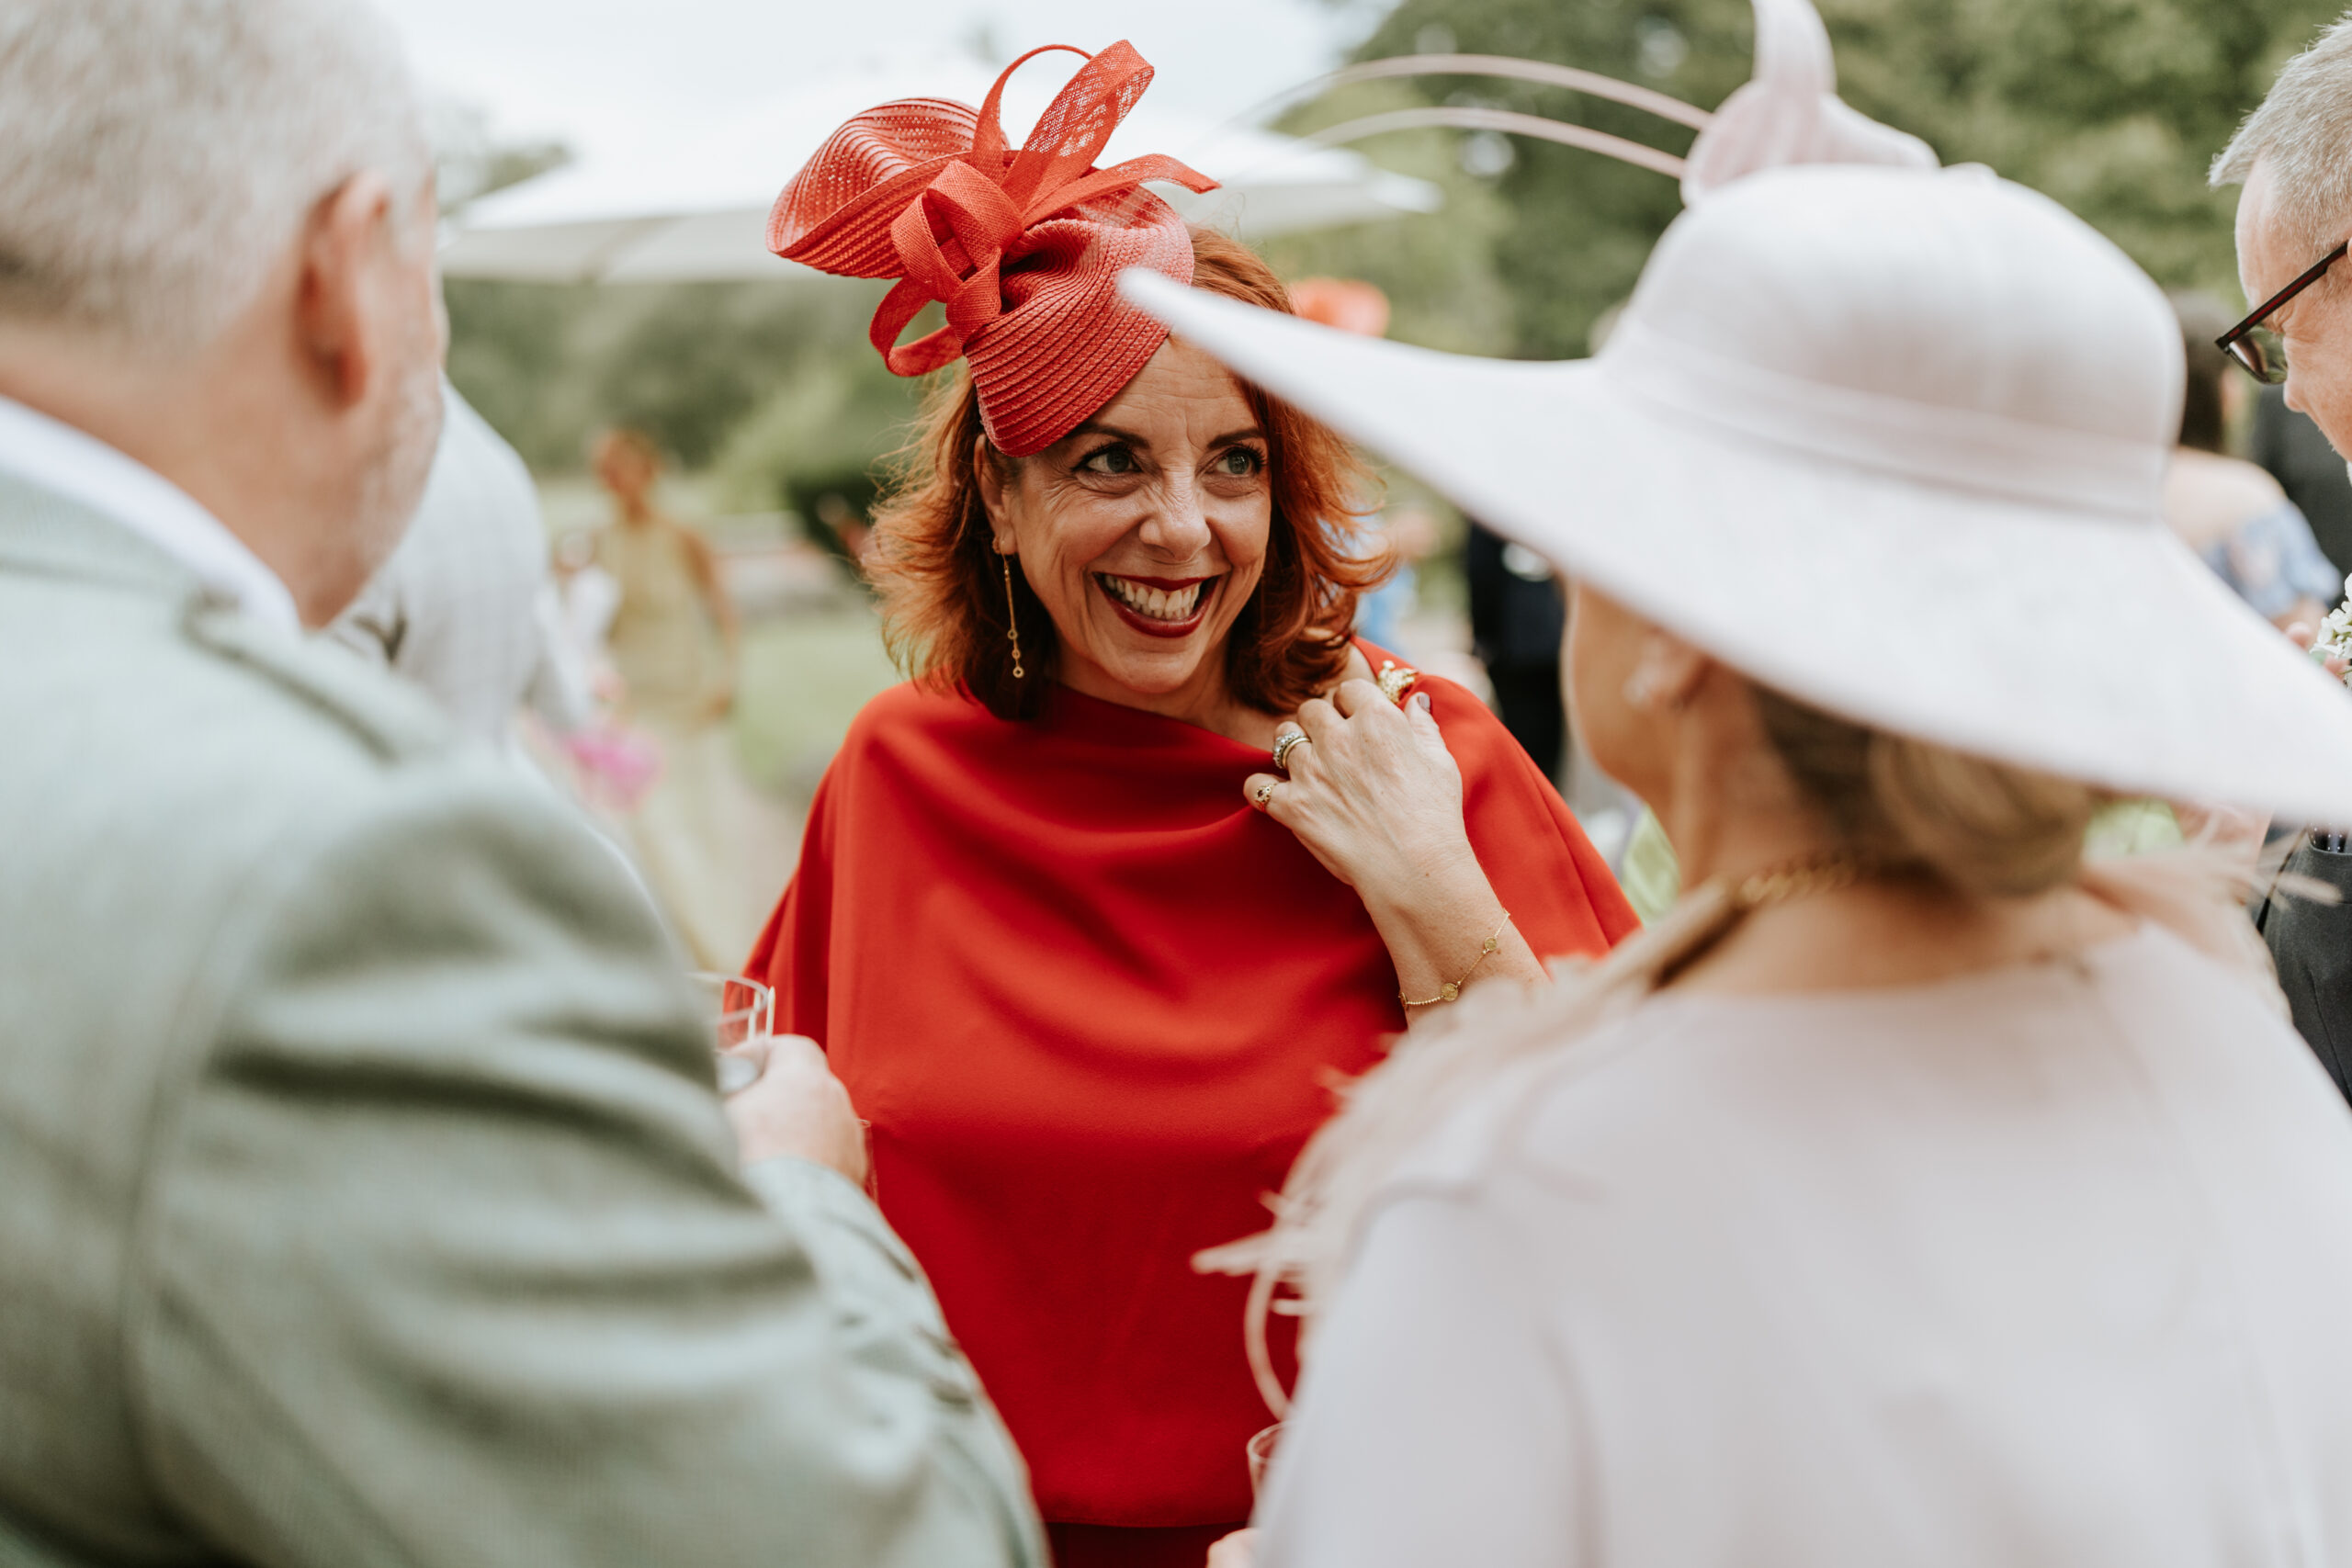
{"points": [[1145, 623]]}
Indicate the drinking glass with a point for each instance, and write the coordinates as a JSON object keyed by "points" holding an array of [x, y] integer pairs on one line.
{"points": [[1260, 1451], [738, 1010]]}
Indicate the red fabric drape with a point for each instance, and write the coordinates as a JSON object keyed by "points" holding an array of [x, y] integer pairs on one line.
{"points": [[1092, 1004]]}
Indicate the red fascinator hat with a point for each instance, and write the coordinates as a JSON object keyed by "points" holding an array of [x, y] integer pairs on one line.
{"points": [[1024, 246]]}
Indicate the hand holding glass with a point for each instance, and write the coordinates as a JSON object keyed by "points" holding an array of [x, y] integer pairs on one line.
{"points": [[782, 1097]]}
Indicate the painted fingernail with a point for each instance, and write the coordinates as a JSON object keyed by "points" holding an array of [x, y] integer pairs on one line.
{"points": [[1421, 701]]}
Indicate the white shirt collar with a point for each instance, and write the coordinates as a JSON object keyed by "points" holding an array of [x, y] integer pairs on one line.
{"points": [[68, 462]]}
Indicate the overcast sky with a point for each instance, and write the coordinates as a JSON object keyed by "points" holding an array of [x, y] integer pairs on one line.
{"points": [[611, 76]]}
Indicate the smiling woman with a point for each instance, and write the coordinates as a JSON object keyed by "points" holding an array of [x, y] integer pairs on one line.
{"points": [[1218, 471], [1083, 962]]}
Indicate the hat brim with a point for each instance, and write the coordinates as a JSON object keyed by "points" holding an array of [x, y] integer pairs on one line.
{"points": [[2095, 648]]}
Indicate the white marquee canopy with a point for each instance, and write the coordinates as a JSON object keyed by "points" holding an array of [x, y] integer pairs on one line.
{"points": [[700, 213]]}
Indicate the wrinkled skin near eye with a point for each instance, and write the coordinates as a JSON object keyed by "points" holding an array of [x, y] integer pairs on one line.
{"points": [[1144, 533]]}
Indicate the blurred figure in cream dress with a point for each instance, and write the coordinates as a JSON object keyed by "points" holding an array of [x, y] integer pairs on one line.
{"points": [[706, 846]]}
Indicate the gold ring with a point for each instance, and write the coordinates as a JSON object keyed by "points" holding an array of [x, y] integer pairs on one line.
{"points": [[1286, 743], [1395, 680], [1265, 792]]}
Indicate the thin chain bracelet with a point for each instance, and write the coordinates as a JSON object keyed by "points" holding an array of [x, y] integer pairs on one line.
{"points": [[1451, 989]]}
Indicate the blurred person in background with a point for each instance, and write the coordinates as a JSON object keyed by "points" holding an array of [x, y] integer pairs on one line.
{"points": [[1402, 537], [675, 642], [2230, 512], [1518, 615], [1054, 921], [1407, 536], [1915, 1192], [610, 765], [464, 609], [369, 1199], [2293, 157], [845, 526]]}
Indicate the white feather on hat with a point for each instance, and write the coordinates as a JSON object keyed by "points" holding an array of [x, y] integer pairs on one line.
{"points": [[1790, 113]]}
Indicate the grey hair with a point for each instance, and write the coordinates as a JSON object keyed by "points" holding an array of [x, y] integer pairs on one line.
{"points": [[157, 157], [2304, 130]]}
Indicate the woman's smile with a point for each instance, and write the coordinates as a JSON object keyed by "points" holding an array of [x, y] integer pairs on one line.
{"points": [[1161, 606]]}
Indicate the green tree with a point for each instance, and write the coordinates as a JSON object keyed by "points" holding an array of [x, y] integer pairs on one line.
{"points": [[2113, 106], [549, 365]]}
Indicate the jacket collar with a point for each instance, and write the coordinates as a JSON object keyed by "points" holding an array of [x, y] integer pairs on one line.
{"points": [[43, 534], [75, 467]]}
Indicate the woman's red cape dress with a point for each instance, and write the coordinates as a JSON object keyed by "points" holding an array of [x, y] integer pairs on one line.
{"points": [[1092, 1003]]}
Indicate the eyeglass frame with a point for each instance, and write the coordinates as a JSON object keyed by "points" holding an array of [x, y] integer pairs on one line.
{"points": [[2231, 341]]}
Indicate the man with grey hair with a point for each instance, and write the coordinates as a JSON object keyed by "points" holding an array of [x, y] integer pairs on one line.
{"points": [[367, 1199], [2293, 156]]}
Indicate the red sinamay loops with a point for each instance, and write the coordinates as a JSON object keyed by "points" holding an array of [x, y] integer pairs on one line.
{"points": [[1023, 247]]}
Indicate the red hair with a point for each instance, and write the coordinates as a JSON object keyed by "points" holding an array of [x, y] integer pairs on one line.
{"points": [[943, 587]]}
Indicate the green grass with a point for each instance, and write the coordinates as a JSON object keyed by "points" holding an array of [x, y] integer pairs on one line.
{"points": [[805, 676]]}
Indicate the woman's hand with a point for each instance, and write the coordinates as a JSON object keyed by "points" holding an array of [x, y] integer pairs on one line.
{"points": [[1374, 795], [1373, 792]]}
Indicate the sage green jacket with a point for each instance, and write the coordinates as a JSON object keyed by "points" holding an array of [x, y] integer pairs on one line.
{"points": [[363, 1197]]}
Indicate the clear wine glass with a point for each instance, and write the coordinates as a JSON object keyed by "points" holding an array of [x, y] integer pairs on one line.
{"points": [[1260, 1451], [738, 1010]]}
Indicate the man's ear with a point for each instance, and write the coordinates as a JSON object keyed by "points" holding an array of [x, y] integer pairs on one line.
{"points": [[988, 467], [344, 306]]}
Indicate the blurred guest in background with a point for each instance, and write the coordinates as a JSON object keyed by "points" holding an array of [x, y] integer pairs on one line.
{"points": [[673, 636], [1401, 538], [1517, 618], [845, 526], [2292, 156], [464, 609], [1348, 303], [1915, 1192], [368, 1196], [2232, 513], [674, 639], [1055, 923], [610, 765], [1407, 536]]}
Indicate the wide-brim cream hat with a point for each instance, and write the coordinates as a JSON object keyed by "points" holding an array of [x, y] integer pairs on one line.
{"points": [[1889, 438]]}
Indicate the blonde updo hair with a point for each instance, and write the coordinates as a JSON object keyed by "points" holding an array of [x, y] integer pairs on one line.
{"points": [[1899, 807]]}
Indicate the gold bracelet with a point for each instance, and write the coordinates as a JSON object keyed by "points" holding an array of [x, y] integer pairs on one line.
{"points": [[1451, 989]]}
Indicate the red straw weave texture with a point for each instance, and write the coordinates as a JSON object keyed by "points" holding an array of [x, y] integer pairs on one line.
{"points": [[1025, 247]]}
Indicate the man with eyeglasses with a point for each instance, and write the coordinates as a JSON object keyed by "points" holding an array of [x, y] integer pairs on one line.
{"points": [[2293, 157]]}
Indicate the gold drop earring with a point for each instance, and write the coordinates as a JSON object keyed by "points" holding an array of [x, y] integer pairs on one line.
{"points": [[1012, 623]]}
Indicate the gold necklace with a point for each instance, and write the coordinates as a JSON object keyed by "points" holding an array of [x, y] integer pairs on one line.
{"points": [[1799, 878]]}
